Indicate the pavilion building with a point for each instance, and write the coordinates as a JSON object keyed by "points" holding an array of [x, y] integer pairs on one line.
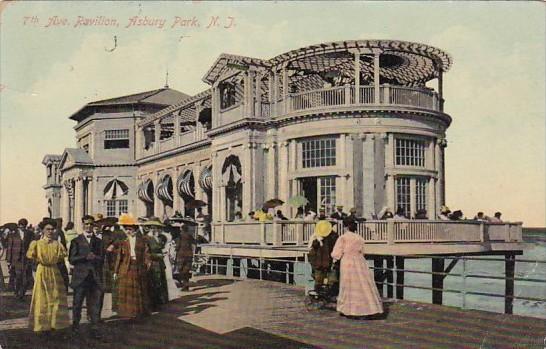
{"points": [[352, 123]]}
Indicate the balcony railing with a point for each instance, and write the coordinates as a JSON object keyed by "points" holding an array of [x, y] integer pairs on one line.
{"points": [[184, 139], [279, 233], [345, 96]]}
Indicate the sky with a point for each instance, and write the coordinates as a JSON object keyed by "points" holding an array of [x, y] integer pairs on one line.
{"points": [[495, 90]]}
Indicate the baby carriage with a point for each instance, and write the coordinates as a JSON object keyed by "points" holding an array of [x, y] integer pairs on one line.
{"points": [[324, 296]]}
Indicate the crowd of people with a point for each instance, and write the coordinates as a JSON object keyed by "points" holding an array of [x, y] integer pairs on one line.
{"points": [[141, 264]]}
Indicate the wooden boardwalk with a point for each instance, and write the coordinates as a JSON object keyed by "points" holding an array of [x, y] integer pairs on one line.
{"points": [[222, 312]]}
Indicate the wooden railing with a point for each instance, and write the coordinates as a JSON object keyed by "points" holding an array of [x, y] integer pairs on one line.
{"points": [[279, 233], [345, 95], [185, 138]]}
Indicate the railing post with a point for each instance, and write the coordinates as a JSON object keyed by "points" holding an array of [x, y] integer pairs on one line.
{"points": [[347, 94], [507, 236], [299, 233], [223, 234], [390, 232], [509, 266], [483, 236], [387, 96], [277, 234], [263, 240], [463, 291]]}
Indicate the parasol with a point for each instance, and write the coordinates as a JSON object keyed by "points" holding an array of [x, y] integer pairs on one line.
{"points": [[273, 203], [298, 201]]}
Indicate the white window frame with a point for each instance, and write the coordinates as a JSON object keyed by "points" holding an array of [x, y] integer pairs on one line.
{"points": [[318, 152], [410, 152]]}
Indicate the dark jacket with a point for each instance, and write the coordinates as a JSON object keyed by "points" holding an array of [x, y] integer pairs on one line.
{"points": [[319, 256], [16, 249], [79, 249], [184, 245]]}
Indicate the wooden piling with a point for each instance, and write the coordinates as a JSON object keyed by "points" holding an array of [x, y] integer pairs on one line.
{"points": [[437, 280], [390, 276], [399, 277], [378, 273], [509, 266]]}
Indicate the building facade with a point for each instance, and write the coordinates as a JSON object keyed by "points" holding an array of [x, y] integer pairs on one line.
{"points": [[349, 123]]}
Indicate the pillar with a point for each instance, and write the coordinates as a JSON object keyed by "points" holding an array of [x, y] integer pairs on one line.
{"points": [[272, 173], [357, 77], [432, 213], [177, 199], [157, 202], [246, 170], [217, 187], [139, 144], [390, 276], [157, 135], [368, 176], [283, 174], [378, 273], [348, 194], [413, 198], [389, 165], [437, 280], [176, 123], [215, 106], [376, 78], [275, 95], [78, 203], [285, 90], [258, 94], [441, 89], [509, 266]]}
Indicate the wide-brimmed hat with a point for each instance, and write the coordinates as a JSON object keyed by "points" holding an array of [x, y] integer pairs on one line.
{"points": [[152, 222], [352, 210], [127, 219], [445, 209], [323, 228]]}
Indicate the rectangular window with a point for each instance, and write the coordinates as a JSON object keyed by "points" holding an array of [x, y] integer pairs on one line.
{"points": [[421, 194], [116, 139], [318, 152], [122, 207], [410, 152], [327, 193], [110, 208], [403, 195], [115, 208]]}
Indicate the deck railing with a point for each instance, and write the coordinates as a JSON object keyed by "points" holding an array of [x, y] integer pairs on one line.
{"points": [[279, 233], [345, 95]]}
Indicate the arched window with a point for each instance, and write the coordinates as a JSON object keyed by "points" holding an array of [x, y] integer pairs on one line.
{"points": [[231, 177], [146, 194], [115, 198]]}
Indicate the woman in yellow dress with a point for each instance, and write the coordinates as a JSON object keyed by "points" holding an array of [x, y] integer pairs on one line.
{"points": [[49, 306]]}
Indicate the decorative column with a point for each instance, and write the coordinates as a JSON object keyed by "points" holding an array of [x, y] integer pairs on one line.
{"points": [[413, 198], [250, 102], [389, 167], [176, 197], [78, 203], [139, 146], [431, 200], [258, 86], [357, 77], [214, 106], [157, 135], [390, 191], [176, 125], [217, 188], [271, 173], [275, 95], [157, 201], [283, 173], [368, 176], [246, 170], [285, 90], [349, 199], [376, 78]]}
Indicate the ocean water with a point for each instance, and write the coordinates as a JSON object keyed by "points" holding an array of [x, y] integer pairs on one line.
{"points": [[524, 288]]}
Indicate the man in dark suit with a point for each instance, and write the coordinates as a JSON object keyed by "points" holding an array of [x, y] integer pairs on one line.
{"points": [[339, 215], [86, 255], [20, 268]]}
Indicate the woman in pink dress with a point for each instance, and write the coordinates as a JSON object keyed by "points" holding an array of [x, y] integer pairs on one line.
{"points": [[358, 295]]}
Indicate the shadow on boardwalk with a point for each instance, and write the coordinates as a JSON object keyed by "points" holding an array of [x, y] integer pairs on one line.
{"points": [[226, 313]]}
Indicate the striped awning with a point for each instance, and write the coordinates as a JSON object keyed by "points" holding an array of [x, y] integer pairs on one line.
{"points": [[115, 189], [145, 191], [185, 184], [205, 179], [231, 175], [164, 189]]}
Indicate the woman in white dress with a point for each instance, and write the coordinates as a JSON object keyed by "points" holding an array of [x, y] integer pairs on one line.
{"points": [[168, 252]]}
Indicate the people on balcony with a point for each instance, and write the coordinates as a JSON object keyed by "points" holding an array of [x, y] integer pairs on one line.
{"points": [[456, 215], [421, 214], [496, 218], [339, 215], [385, 213], [280, 216], [481, 217], [400, 215], [444, 213]]}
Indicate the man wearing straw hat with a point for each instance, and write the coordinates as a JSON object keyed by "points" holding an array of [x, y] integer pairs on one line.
{"points": [[130, 271]]}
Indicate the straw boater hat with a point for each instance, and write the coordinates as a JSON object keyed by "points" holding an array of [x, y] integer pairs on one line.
{"points": [[323, 228], [127, 219], [153, 221]]}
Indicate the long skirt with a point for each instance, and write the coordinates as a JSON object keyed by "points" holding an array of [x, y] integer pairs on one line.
{"points": [[132, 295], [49, 305], [157, 284]]}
